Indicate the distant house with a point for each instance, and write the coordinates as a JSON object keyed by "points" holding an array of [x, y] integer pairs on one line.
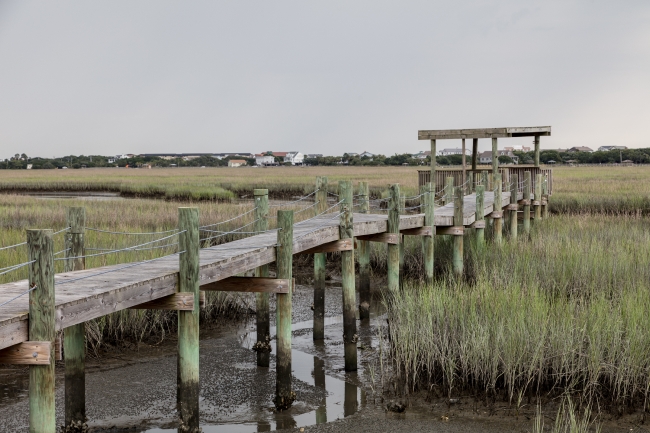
{"points": [[295, 158], [580, 149], [111, 160], [226, 155], [352, 153], [264, 160], [486, 157], [313, 155], [422, 154], [236, 162], [29, 166], [608, 148], [518, 148], [366, 154], [455, 151]]}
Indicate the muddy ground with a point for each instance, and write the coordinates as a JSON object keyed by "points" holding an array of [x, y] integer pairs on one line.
{"points": [[134, 388]]}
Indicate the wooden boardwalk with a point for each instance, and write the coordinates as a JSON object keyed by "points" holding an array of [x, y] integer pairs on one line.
{"points": [[109, 289]]}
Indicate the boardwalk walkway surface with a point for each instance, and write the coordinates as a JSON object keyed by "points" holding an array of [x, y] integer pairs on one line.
{"points": [[84, 295]]}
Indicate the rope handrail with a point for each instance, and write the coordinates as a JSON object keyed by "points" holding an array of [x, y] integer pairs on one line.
{"points": [[61, 231], [324, 212], [117, 269], [122, 249], [228, 220], [320, 226], [305, 208], [332, 194], [18, 296], [136, 249], [227, 233], [292, 202], [15, 267], [130, 233], [13, 246], [242, 247], [62, 251]]}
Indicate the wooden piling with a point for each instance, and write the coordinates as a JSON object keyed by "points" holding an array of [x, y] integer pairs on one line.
{"points": [[284, 396], [263, 346], [346, 231], [393, 249], [538, 198], [363, 257], [480, 231], [537, 151], [402, 211], [320, 266], [449, 190], [74, 341], [527, 204], [514, 189], [484, 179], [188, 321], [497, 207], [495, 158], [427, 241], [545, 198], [458, 239], [474, 153], [41, 328]]}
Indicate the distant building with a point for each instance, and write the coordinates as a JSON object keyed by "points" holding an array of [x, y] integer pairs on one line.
{"points": [[226, 155], [486, 157], [518, 148], [313, 155], [366, 154], [608, 148], [422, 155], [264, 160], [455, 151], [580, 149], [29, 166], [236, 162]]}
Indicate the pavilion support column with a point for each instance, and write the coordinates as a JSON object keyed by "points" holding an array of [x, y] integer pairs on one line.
{"points": [[458, 239], [474, 153], [495, 158], [363, 257], [463, 182], [538, 198], [42, 327], [320, 260], [187, 395], [545, 198], [537, 151], [527, 204], [427, 241], [497, 211], [74, 341], [433, 165], [263, 346], [346, 231], [514, 189], [284, 396], [480, 231], [393, 249]]}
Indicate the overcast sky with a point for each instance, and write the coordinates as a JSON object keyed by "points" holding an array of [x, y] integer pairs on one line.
{"points": [[79, 77]]}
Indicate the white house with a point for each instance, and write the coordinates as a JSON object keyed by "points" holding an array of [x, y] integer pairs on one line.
{"points": [[518, 148], [295, 158], [486, 157], [236, 162], [608, 148], [366, 154], [455, 151], [422, 154], [264, 160]]}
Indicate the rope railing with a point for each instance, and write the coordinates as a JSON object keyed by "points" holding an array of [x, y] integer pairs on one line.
{"points": [[324, 212], [247, 247], [295, 201], [136, 249], [119, 250], [18, 296], [228, 220], [130, 233], [228, 232], [320, 226], [12, 268], [13, 246]]}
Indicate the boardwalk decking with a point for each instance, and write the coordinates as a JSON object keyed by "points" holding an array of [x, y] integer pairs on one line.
{"points": [[113, 288]]}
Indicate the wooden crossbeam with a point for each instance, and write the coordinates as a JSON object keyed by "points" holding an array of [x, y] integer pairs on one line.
{"points": [[418, 231], [387, 238], [478, 224], [512, 206], [524, 202], [496, 214], [181, 301], [450, 230], [250, 284], [27, 353], [331, 247]]}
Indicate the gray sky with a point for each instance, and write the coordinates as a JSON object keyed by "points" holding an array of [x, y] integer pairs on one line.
{"points": [[320, 77]]}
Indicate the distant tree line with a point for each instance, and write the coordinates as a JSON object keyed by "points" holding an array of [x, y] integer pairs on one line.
{"points": [[21, 161]]}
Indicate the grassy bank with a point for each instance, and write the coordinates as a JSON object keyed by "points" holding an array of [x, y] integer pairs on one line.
{"points": [[565, 312]]}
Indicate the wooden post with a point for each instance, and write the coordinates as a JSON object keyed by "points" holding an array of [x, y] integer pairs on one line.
{"points": [[458, 239], [497, 207], [402, 211], [347, 278], [263, 346], [514, 189], [74, 342], [464, 180], [363, 257], [474, 153], [320, 266], [393, 250], [427, 241], [433, 166], [284, 396], [527, 203], [495, 158], [537, 151], [449, 190], [484, 179], [545, 198], [480, 231], [188, 321], [41, 328], [538, 198]]}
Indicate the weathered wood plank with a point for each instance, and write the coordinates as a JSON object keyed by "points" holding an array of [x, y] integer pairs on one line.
{"points": [[180, 301], [451, 230], [27, 353], [418, 231], [250, 285], [386, 238], [331, 247]]}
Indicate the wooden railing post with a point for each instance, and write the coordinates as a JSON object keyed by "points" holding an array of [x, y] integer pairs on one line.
{"points": [[363, 257], [497, 221], [188, 321], [449, 190], [458, 239], [429, 220], [402, 211], [263, 346], [74, 341], [284, 396], [484, 179], [347, 278], [480, 216], [527, 203], [545, 198], [537, 151], [514, 189], [538, 198], [393, 249], [41, 328], [495, 158], [320, 264]]}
